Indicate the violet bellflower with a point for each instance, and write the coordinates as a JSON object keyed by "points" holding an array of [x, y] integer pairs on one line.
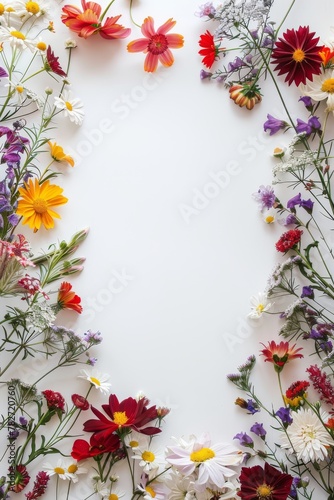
{"points": [[245, 439], [307, 102], [297, 200], [274, 125], [312, 125], [284, 415], [259, 430], [307, 292]]}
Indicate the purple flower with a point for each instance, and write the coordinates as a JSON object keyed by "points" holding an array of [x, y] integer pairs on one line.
{"points": [[297, 200], [265, 196], [204, 74], [23, 421], [92, 337], [13, 434], [274, 125], [252, 407], [3, 73], [244, 439], [284, 414], [207, 10], [259, 430], [91, 361], [307, 102], [312, 125], [235, 64], [308, 292], [289, 220]]}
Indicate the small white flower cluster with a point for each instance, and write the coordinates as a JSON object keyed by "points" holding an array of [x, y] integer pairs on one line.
{"points": [[230, 13]]}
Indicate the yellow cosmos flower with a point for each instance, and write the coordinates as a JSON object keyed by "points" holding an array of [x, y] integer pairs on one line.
{"points": [[58, 154], [36, 202]]}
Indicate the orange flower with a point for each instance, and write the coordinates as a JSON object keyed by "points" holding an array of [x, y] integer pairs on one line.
{"points": [[37, 202], [156, 44], [89, 21], [58, 154], [245, 95], [68, 299], [327, 56], [280, 354]]}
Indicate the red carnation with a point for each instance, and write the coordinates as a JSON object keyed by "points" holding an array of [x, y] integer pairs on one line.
{"points": [[297, 389], [54, 400], [297, 55], [288, 240]]}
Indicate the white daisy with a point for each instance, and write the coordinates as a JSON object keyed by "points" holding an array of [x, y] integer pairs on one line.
{"points": [[135, 439], [16, 38], [269, 216], [60, 470], [32, 9], [74, 468], [307, 437], [212, 462], [321, 88], [150, 458], [152, 490], [72, 108], [259, 305], [108, 493], [98, 379], [181, 487]]}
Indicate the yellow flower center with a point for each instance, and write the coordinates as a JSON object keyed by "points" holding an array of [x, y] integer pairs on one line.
{"points": [[18, 34], [328, 86], [40, 206], [264, 491], [2, 9], [269, 220], [19, 89], [41, 46], [32, 7], [120, 418], [95, 381], [150, 491], [113, 496], [298, 55], [260, 308], [68, 105], [133, 444], [59, 470], [72, 468], [148, 456], [10, 9], [202, 455]]}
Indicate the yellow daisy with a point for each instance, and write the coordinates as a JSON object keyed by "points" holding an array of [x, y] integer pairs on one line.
{"points": [[36, 202], [58, 154]]}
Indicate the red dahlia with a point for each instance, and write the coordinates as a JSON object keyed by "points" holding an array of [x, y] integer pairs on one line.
{"points": [[297, 55], [260, 484], [288, 240], [209, 50]]}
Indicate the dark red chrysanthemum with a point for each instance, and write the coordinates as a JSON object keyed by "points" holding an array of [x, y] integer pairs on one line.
{"points": [[209, 50], [52, 63], [296, 54], [264, 484], [54, 400], [126, 414], [288, 240]]}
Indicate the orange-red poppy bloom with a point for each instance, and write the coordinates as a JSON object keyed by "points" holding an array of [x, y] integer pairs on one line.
{"points": [[156, 44], [67, 299], [89, 21]]}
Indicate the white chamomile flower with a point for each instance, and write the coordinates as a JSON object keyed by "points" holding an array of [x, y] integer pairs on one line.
{"points": [[269, 216], [72, 108], [60, 470], [70, 43], [96, 378], [32, 9], [181, 487], [259, 305], [135, 440], [321, 88], [149, 457], [108, 492], [16, 38]]}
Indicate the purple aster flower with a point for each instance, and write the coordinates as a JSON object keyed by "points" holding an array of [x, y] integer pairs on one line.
{"points": [[274, 125], [284, 414], [265, 196], [312, 125], [308, 292], [204, 74], [307, 102], [244, 439], [92, 337], [259, 430], [91, 361]]}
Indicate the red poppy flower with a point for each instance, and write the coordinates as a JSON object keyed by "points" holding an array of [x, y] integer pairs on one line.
{"points": [[68, 299], [209, 50], [260, 484], [288, 240], [280, 354], [96, 446], [126, 414], [80, 402], [156, 44], [20, 477], [52, 63], [54, 400], [297, 55], [89, 21]]}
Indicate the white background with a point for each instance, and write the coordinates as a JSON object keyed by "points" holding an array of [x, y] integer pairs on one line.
{"points": [[178, 323]]}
